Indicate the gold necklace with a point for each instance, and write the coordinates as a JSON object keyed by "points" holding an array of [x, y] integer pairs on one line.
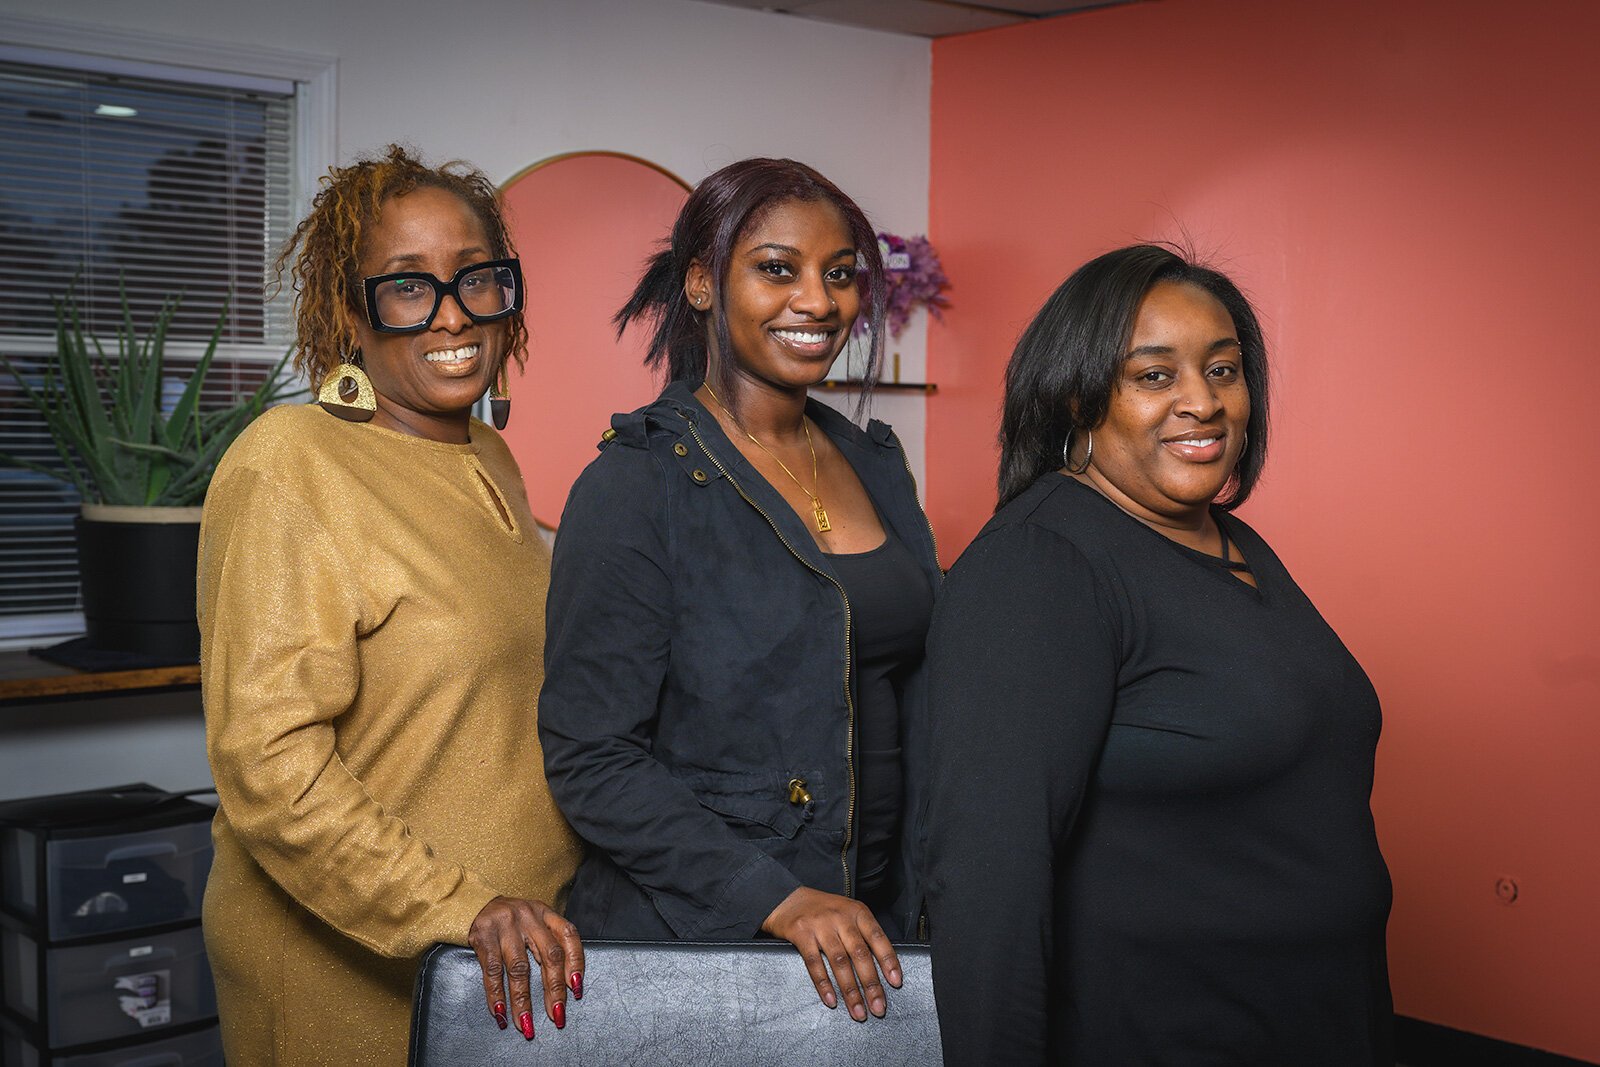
{"points": [[821, 514]]}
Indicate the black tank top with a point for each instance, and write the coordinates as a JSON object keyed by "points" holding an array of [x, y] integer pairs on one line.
{"points": [[890, 608]]}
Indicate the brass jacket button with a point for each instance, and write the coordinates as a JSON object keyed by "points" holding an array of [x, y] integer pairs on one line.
{"points": [[797, 791], [608, 435], [698, 475], [679, 449]]}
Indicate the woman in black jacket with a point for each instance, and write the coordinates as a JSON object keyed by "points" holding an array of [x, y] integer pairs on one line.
{"points": [[733, 712]]}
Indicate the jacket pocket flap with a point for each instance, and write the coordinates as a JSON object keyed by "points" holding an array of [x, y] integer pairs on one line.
{"points": [[742, 800], [776, 814]]}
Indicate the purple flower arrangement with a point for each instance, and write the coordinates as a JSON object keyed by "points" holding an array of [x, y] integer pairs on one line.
{"points": [[914, 278]]}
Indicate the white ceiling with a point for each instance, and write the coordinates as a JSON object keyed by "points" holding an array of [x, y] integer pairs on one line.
{"points": [[922, 18]]}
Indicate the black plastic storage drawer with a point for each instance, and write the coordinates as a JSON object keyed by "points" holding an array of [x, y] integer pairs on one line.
{"points": [[121, 882], [110, 989], [96, 864], [201, 1048]]}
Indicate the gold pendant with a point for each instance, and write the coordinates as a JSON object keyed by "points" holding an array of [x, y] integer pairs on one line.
{"points": [[823, 526]]}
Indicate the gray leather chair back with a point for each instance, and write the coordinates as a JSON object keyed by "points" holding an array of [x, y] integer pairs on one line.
{"points": [[668, 1003]]}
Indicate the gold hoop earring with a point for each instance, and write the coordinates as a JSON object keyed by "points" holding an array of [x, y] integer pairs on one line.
{"points": [[1066, 453], [344, 378]]}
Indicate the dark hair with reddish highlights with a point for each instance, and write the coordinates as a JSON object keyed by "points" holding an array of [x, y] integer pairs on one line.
{"points": [[1065, 366], [719, 210], [325, 248]]}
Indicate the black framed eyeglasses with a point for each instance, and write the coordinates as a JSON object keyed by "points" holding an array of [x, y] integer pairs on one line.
{"points": [[407, 301]]}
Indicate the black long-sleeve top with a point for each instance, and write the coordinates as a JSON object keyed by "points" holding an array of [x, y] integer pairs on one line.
{"points": [[1150, 832]]}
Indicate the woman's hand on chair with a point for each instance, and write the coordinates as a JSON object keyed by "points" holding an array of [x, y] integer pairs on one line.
{"points": [[825, 926], [503, 934]]}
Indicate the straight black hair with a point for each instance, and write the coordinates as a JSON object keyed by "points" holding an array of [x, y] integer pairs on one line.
{"points": [[1065, 366], [719, 210]]}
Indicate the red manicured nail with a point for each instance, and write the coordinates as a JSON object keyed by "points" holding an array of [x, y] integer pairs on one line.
{"points": [[525, 1024], [500, 1013], [558, 1012], [576, 982]]}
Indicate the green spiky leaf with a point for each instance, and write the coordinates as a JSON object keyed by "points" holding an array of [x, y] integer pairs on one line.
{"points": [[104, 416]]}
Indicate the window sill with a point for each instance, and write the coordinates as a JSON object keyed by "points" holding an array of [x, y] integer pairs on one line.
{"points": [[25, 679]]}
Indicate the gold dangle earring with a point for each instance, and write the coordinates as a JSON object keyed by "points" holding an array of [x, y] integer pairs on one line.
{"points": [[500, 399], [347, 392]]}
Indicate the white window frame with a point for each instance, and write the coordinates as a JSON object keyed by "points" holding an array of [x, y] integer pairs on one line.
{"points": [[138, 53]]}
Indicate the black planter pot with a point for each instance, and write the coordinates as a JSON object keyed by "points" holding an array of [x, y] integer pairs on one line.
{"points": [[137, 568]]}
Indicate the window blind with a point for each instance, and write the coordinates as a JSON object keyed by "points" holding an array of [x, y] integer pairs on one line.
{"points": [[120, 189]]}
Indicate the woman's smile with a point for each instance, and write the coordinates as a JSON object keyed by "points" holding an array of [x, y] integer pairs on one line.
{"points": [[1198, 446], [807, 341], [454, 361]]}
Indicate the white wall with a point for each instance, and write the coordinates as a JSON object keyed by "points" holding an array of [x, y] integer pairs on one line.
{"points": [[67, 745], [690, 86]]}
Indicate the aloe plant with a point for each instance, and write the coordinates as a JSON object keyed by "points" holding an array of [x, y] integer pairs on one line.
{"points": [[114, 444]]}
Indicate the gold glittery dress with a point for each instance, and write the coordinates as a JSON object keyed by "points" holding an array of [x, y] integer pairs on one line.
{"points": [[372, 623]]}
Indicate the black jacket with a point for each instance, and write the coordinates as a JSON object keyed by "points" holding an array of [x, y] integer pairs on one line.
{"points": [[697, 681]]}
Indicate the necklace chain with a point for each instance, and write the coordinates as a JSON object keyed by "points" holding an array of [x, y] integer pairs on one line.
{"points": [[817, 510]]}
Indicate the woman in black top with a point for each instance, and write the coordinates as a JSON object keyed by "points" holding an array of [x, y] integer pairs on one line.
{"points": [[1150, 832], [733, 712]]}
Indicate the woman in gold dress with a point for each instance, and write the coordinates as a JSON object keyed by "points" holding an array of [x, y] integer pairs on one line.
{"points": [[371, 604]]}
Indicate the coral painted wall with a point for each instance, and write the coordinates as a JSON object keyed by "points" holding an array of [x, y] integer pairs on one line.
{"points": [[1408, 191], [589, 222]]}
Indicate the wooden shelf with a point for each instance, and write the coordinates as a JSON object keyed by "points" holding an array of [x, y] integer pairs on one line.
{"points": [[846, 385], [24, 677]]}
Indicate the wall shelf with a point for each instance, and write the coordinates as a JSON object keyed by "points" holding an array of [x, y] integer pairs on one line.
{"points": [[851, 385]]}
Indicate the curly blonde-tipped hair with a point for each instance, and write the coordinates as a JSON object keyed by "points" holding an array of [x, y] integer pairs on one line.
{"points": [[323, 254]]}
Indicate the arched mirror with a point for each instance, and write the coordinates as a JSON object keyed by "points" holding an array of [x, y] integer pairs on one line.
{"points": [[583, 223]]}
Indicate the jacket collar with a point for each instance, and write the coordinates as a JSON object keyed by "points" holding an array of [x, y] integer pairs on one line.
{"points": [[678, 397], [874, 453]]}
